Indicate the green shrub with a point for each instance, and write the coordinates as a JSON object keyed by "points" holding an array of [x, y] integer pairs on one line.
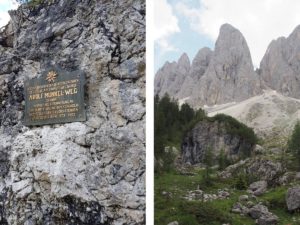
{"points": [[235, 127], [276, 198], [241, 182], [205, 213], [294, 143]]}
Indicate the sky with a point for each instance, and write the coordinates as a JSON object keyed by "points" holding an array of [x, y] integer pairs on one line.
{"points": [[189, 25], [6, 5]]}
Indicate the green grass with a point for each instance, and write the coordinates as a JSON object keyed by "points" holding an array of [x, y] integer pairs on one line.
{"points": [[173, 207], [274, 199]]}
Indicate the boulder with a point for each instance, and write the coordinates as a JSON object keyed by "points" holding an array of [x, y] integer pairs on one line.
{"points": [[258, 188], [257, 211], [243, 198], [262, 215], [258, 150], [240, 209], [268, 219], [293, 198], [173, 223]]}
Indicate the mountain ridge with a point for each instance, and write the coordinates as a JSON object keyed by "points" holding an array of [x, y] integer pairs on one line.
{"points": [[227, 73]]}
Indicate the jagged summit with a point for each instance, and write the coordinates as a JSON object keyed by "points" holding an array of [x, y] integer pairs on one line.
{"points": [[223, 75], [280, 66], [227, 73]]}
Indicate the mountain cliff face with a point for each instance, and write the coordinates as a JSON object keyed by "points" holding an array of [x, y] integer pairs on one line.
{"points": [[89, 172], [170, 77], [221, 76], [198, 68], [280, 66], [213, 135]]}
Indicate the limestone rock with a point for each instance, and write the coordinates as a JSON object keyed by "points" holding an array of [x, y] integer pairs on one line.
{"points": [[258, 188], [212, 135], [197, 70], [230, 75], [170, 77], [220, 76], [293, 198], [280, 65], [263, 215], [173, 223], [261, 169], [243, 198], [90, 172]]}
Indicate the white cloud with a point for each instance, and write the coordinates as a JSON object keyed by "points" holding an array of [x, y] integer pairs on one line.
{"points": [[165, 24], [4, 18], [260, 21], [4, 5]]}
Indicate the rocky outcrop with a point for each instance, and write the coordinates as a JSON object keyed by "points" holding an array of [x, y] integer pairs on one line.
{"points": [[280, 65], [88, 172], [257, 168], [213, 136], [293, 198], [220, 76]]}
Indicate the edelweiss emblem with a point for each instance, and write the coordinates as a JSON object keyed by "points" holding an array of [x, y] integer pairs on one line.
{"points": [[51, 76]]}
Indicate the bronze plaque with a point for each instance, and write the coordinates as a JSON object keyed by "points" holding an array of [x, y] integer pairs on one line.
{"points": [[55, 97]]}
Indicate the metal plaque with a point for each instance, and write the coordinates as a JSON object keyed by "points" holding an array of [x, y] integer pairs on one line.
{"points": [[55, 97]]}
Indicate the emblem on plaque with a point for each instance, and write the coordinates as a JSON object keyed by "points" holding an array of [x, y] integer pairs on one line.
{"points": [[51, 76]]}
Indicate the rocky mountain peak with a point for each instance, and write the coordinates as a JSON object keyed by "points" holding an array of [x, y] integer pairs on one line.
{"points": [[202, 58], [184, 61], [280, 66], [230, 75], [223, 75], [231, 47]]}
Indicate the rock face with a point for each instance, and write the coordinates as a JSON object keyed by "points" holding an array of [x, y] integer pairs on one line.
{"points": [[230, 75], [280, 65], [222, 76], [83, 172], [170, 77], [293, 198], [197, 70], [207, 134]]}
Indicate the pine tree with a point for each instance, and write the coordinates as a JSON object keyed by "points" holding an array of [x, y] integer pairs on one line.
{"points": [[294, 143], [208, 161], [222, 160]]}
